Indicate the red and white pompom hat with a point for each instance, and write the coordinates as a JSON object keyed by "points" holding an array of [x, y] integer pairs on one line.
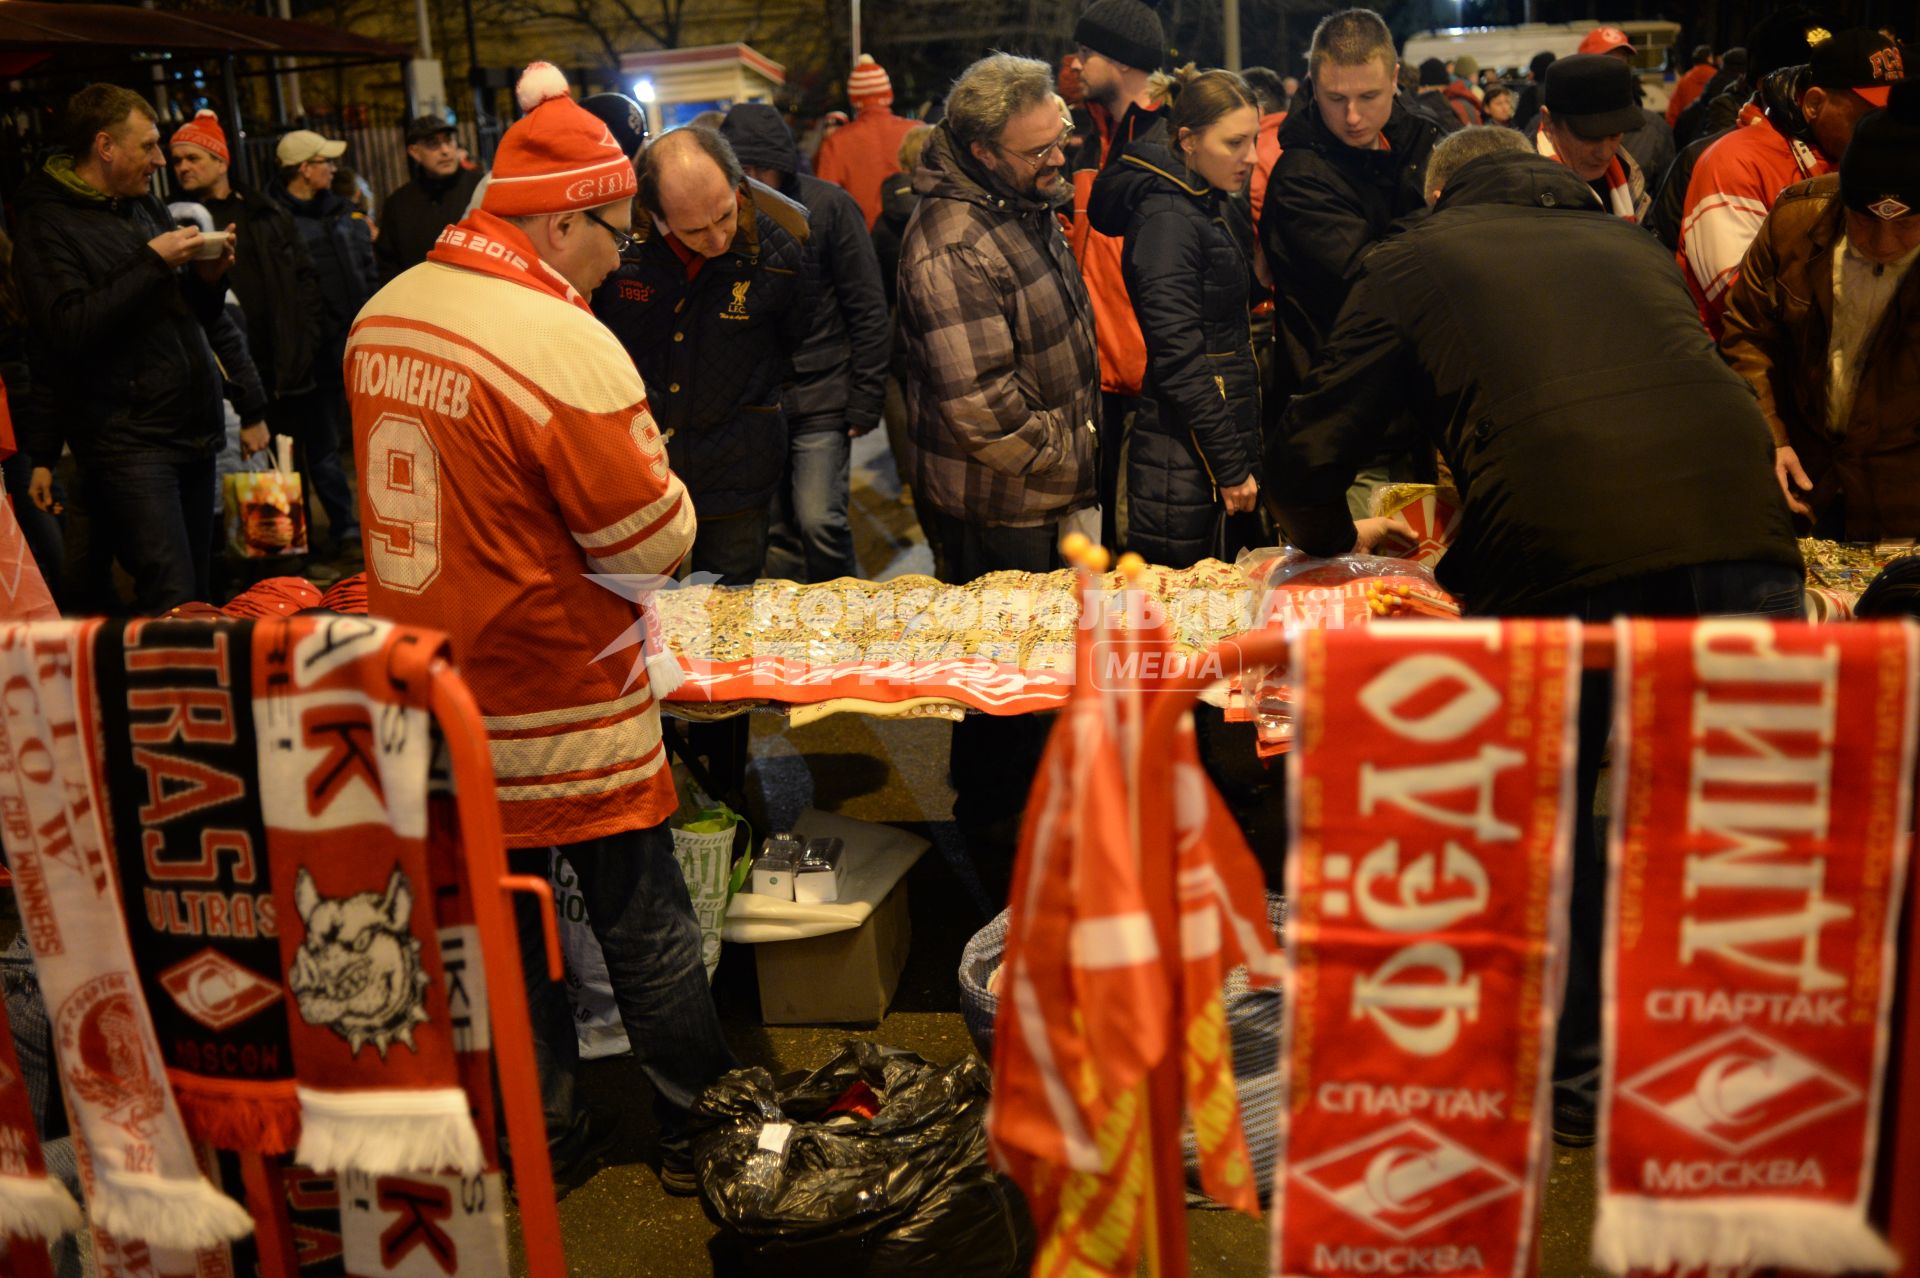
{"points": [[869, 85], [558, 157]]}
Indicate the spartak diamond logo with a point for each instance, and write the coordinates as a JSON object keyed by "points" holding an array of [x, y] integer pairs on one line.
{"points": [[1406, 1179], [1740, 1091], [216, 991], [1888, 209]]}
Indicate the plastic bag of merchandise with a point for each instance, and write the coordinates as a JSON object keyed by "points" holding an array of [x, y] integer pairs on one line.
{"points": [[1299, 592], [874, 1164]]}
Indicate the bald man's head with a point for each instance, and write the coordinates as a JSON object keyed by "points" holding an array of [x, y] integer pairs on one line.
{"points": [[690, 181]]}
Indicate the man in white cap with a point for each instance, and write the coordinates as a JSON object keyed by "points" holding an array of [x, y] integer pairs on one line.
{"points": [[340, 243], [506, 452]]}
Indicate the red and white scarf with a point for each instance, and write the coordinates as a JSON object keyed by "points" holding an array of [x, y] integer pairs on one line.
{"points": [[1621, 197], [346, 741], [1763, 786], [34, 1207], [143, 1180], [1427, 892]]}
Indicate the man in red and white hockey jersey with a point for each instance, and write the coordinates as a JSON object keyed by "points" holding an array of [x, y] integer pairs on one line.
{"points": [[1799, 132], [506, 452]]}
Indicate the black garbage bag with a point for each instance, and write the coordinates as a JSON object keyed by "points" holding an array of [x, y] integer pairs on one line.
{"points": [[874, 1164]]}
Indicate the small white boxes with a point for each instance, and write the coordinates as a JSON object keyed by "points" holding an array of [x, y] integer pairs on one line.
{"points": [[816, 877]]}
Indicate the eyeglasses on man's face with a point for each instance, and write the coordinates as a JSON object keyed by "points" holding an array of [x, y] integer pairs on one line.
{"points": [[622, 242], [1036, 160]]}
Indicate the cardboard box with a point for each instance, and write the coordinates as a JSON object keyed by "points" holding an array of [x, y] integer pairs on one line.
{"points": [[842, 977]]}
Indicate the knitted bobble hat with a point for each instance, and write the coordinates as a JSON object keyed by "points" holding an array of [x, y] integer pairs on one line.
{"points": [[557, 158], [203, 131], [869, 85]]}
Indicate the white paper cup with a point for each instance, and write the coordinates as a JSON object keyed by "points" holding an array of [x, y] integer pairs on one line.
{"points": [[213, 244]]}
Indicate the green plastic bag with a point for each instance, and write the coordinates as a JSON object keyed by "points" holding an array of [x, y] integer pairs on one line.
{"points": [[703, 844]]}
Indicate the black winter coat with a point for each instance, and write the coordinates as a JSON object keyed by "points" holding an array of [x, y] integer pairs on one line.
{"points": [[715, 351], [413, 217], [840, 371], [123, 345], [1189, 281], [341, 246], [898, 200], [1591, 443], [279, 290], [1327, 204]]}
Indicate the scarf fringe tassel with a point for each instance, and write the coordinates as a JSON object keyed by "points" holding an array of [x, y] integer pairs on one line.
{"points": [[664, 675], [387, 1133], [181, 1215], [1639, 1233], [40, 1208], [262, 1124]]}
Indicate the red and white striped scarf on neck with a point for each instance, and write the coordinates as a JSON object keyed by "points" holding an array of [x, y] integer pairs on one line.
{"points": [[1620, 201]]}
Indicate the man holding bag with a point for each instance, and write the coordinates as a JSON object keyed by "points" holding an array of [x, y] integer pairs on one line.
{"points": [[506, 451]]}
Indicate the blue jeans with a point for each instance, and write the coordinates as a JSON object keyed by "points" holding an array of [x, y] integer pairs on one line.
{"points": [[731, 547], [811, 539], [638, 907], [156, 517], [1772, 591], [319, 423]]}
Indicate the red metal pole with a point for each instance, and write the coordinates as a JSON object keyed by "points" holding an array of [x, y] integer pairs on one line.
{"points": [[484, 856]]}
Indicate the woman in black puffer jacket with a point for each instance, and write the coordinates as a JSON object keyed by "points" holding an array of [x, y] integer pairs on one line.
{"points": [[1198, 455]]}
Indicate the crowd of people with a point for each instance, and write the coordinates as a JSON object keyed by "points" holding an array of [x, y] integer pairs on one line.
{"points": [[1184, 311]]}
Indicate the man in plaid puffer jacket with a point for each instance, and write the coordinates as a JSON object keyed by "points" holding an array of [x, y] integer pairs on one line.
{"points": [[1003, 382]]}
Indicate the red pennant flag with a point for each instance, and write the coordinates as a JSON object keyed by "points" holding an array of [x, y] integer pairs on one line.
{"points": [[1085, 1004]]}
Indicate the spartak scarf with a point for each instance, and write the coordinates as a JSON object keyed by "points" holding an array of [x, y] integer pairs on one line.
{"points": [[1426, 933], [143, 1180], [445, 1223], [346, 741], [1763, 780], [182, 767], [34, 1207]]}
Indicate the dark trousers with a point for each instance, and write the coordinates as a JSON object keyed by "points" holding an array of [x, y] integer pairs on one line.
{"points": [[639, 909], [1116, 419], [994, 757], [156, 517], [732, 548], [1773, 591]]}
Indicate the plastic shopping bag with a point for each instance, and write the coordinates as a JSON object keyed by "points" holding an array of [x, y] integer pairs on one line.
{"points": [[872, 1166], [704, 847], [265, 516]]}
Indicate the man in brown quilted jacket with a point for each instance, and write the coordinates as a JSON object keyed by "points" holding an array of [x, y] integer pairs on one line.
{"points": [[1824, 322]]}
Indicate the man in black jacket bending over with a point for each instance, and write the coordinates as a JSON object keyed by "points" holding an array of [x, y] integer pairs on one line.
{"points": [[1608, 462], [839, 372], [1350, 165], [126, 341], [711, 301]]}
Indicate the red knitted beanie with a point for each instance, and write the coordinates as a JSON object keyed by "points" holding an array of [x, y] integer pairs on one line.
{"points": [[558, 157], [203, 131]]}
